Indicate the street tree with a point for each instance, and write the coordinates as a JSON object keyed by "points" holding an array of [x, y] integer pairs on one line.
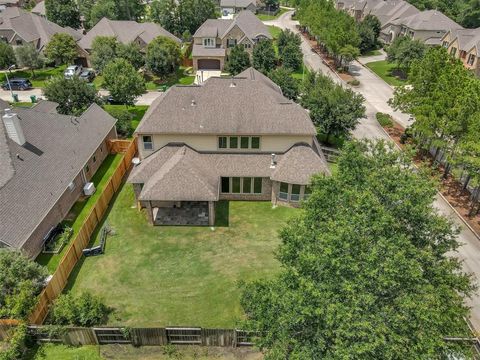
{"points": [[264, 58], [366, 269], [283, 78], [104, 50], [163, 56], [62, 49], [7, 55], [287, 37], [63, 12], [347, 54], [404, 51], [291, 56], [74, 95], [28, 56], [238, 60], [132, 53], [333, 109], [123, 82]]}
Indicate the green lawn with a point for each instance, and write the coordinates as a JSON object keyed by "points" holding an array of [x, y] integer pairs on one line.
{"points": [[264, 17], [81, 209], [138, 111], [372, 53], [384, 70], [154, 82], [159, 275], [298, 74], [41, 75], [63, 352]]}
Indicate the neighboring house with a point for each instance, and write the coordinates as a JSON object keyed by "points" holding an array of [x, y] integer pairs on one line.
{"points": [[464, 44], [228, 139], [214, 38], [399, 18], [231, 7], [427, 26], [45, 160], [19, 27], [39, 9], [125, 32]]}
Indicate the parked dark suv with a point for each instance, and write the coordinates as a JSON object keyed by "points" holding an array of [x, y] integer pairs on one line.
{"points": [[17, 84]]}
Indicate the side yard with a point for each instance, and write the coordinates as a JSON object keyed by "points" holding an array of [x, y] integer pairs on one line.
{"points": [[158, 276]]}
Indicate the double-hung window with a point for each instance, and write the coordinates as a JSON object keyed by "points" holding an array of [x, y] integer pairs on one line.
{"points": [[453, 51], [241, 185], [147, 142], [239, 142], [283, 191], [295, 195], [222, 142], [231, 43], [471, 59], [209, 42]]}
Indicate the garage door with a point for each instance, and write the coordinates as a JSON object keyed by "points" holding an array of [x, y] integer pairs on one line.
{"points": [[209, 64]]}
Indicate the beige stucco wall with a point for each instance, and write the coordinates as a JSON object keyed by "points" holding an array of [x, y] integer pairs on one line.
{"points": [[268, 143]]}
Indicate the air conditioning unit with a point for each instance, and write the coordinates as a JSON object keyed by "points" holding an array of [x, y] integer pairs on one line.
{"points": [[89, 189]]}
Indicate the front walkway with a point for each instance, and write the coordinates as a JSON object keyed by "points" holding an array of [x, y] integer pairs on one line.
{"points": [[203, 75]]}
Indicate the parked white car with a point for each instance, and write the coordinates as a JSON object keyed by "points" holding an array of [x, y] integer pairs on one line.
{"points": [[71, 71]]}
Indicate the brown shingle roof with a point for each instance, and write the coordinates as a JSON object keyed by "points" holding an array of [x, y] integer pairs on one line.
{"points": [[177, 172], [226, 106], [125, 32], [57, 148]]}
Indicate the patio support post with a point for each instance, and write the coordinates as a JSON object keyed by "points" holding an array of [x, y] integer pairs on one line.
{"points": [[150, 212], [211, 213]]}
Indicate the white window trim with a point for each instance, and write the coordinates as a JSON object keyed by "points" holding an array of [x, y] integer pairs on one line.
{"points": [[239, 143], [148, 142], [208, 40]]}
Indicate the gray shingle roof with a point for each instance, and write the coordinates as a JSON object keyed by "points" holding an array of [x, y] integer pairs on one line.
{"points": [[177, 172], [31, 27], [237, 3], [199, 50], [251, 26], [467, 38], [125, 32], [39, 9], [226, 106], [57, 148], [428, 20], [46, 106]]}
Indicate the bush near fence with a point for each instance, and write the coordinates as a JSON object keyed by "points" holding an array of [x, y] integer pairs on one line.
{"points": [[60, 277]]}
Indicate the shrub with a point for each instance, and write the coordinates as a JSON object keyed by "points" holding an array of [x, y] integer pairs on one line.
{"points": [[385, 120], [83, 310], [15, 346], [124, 121], [354, 82]]}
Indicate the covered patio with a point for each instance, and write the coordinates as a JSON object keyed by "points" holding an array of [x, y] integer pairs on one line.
{"points": [[194, 213]]}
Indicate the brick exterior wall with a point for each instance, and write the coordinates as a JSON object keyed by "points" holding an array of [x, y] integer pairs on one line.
{"points": [[33, 245]]}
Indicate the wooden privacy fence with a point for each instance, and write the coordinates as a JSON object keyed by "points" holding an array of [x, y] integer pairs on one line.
{"points": [[80, 241], [145, 336], [116, 146]]}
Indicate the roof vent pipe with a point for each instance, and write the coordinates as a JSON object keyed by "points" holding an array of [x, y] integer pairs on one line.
{"points": [[193, 102], [232, 84], [273, 162], [13, 127]]}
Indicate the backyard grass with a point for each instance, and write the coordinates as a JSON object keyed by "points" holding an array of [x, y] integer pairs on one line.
{"points": [[299, 73], [41, 75], [384, 70], [265, 17], [128, 352], [81, 209], [159, 275], [137, 111]]}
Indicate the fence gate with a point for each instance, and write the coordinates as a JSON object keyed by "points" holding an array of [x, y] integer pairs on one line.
{"points": [[111, 336], [186, 336], [244, 338]]}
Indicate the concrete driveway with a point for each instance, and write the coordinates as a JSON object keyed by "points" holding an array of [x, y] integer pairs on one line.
{"points": [[377, 93], [203, 75]]}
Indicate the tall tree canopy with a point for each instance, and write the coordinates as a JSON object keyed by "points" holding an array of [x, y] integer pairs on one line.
{"points": [[264, 57], [94, 11], [7, 55], [333, 109], [123, 82], [74, 95], [163, 56], [365, 271], [63, 12], [238, 60], [62, 49], [465, 12], [104, 50], [404, 51]]}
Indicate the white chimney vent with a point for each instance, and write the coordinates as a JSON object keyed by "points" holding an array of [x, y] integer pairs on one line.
{"points": [[13, 127]]}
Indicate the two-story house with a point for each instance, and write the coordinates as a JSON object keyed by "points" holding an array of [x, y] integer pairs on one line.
{"points": [[45, 160], [215, 37], [464, 44], [125, 32], [228, 139]]}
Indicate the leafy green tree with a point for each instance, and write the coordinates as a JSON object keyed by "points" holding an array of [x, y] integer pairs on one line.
{"points": [[20, 280], [130, 9], [132, 53], [347, 54], [367, 271], [165, 13], [62, 49], [404, 51], [7, 55], [333, 109], [291, 56], [238, 60], [124, 121], [73, 95], [104, 49], [283, 78], [85, 8], [287, 37], [63, 12], [369, 30], [264, 58], [115, 10], [373, 23], [193, 13], [123, 82], [101, 9], [271, 4], [28, 56], [163, 56], [83, 310]]}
